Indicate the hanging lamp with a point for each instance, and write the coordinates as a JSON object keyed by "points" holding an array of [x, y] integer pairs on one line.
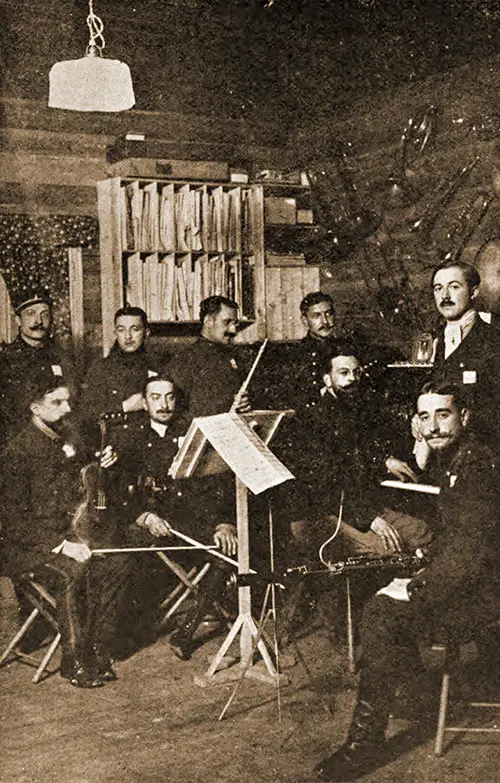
{"points": [[94, 82]]}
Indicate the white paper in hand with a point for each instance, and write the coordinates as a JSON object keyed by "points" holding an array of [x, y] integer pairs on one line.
{"points": [[396, 589]]}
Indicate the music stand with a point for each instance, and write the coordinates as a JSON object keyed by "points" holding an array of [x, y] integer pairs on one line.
{"points": [[214, 445]]}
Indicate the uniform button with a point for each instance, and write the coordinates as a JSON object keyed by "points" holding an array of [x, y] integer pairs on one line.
{"points": [[150, 445], [114, 391]]}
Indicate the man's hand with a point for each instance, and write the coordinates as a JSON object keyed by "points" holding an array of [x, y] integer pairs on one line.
{"points": [[107, 457], [133, 403], [77, 551], [388, 534], [400, 469], [244, 405], [421, 449], [157, 526], [225, 537]]}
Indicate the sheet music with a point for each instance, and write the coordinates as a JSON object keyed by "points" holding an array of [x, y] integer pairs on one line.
{"points": [[245, 453], [430, 489]]}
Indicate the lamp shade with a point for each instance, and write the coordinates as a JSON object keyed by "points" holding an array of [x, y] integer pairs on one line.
{"points": [[91, 84]]}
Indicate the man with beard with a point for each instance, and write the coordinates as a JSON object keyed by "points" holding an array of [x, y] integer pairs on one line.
{"points": [[454, 595], [145, 446], [466, 349], [339, 451], [207, 373], [33, 353], [39, 496], [115, 382]]}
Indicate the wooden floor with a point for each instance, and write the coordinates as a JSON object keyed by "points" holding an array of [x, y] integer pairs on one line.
{"points": [[156, 726]]}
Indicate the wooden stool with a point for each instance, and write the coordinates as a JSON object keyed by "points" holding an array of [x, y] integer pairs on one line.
{"points": [[43, 604], [450, 658], [188, 584]]}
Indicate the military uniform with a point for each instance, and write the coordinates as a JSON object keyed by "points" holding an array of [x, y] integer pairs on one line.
{"points": [[308, 372], [114, 378], [475, 366], [19, 363], [194, 506], [451, 598], [141, 481], [208, 376], [39, 495]]}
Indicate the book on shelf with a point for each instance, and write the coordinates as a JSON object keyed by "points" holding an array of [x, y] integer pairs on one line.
{"points": [[134, 289], [150, 229], [183, 243], [166, 218], [285, 259]]}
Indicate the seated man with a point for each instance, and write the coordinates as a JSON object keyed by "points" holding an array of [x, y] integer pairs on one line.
{"points": [[455, 594], [145, 446], [39, 495], [338, 454]]}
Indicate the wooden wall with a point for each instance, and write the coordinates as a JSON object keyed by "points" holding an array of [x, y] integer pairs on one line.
{"points": [[50, 161], [466, 126]]}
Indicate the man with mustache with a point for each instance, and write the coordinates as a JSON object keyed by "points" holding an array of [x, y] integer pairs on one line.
{"points": [[466, 349], [40, 479], [339, 449], [456, 593], [317, 314], [146, 444], [35, 352], [207, 373]]}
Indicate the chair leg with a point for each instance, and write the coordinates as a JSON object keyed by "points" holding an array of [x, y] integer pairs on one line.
{"points": [[199, 576], [46, 658], [351, 658], [19, 635], [443, 709]]}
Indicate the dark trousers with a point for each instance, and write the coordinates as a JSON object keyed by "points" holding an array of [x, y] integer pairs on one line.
{"points": [[87, 597]]}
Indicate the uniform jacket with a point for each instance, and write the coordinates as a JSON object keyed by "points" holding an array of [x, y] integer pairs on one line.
{"points": [[306, 381], [39, 494], [20, 362], [208, 377], [114, 378], [339, 444], [475, 365], [141, 481], [464, 553]]}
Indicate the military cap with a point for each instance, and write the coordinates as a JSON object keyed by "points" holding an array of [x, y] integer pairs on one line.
{"points": [[26, 297]]}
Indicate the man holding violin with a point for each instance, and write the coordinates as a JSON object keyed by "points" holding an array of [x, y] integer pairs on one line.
{"points": [[48, 524]]}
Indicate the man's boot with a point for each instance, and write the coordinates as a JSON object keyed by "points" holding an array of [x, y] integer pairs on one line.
{"points": [[101, 664], [181, 641], [364, 747]]}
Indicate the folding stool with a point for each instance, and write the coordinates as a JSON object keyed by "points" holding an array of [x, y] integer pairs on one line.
{"points": [[43, 604]]}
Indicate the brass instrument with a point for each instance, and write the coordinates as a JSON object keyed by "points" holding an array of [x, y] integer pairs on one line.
{"points": [[468, 221], [440, 199], [344, 228], [414, 139]]}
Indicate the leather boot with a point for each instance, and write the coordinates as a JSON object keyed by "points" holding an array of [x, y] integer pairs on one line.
{"points": [[182, 642], [364, 747], [101, 664], [78, 674]]}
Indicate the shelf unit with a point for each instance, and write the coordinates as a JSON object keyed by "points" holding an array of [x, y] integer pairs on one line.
{"points": [[165, 245]]}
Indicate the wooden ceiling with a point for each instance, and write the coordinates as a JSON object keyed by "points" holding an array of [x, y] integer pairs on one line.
{"points": [[238, 58]]}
